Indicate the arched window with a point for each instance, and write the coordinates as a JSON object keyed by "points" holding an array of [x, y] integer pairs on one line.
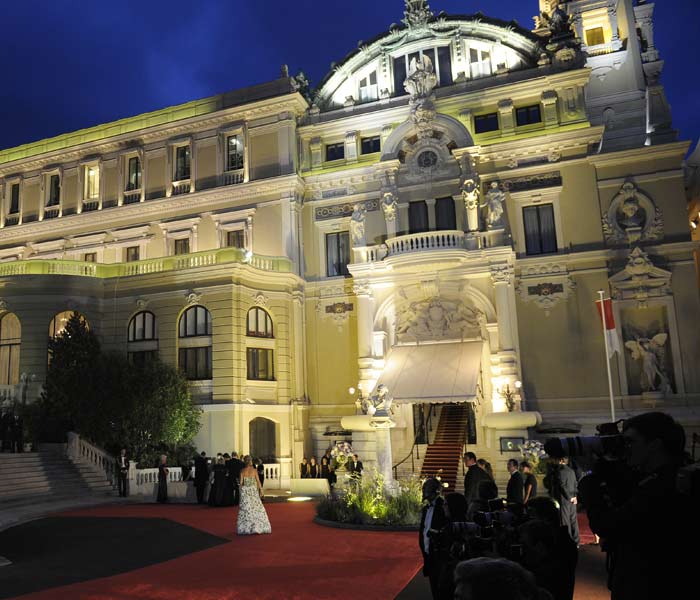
{"points": [[59, 322], [263, 439], [142, 338], [259, 323], [194, 333], [10, 339]]}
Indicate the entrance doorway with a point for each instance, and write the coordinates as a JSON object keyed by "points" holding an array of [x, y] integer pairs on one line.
{"points": [[263, 439]]}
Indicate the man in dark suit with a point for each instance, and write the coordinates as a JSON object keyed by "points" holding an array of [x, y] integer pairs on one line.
{"points": [[475, 475], [235, 467], [562, 485], [432, 520], [123, 472], [201, 476], [355, 467], [516, 488]]}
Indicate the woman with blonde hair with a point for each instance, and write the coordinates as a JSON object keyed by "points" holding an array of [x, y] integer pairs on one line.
{"points": [[252, 518]]}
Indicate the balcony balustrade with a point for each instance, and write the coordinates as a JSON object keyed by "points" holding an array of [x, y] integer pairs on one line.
{"points": [[51, 212], [132, 197], [232, 177], [181, 187], [11, 220], [89, 205]]}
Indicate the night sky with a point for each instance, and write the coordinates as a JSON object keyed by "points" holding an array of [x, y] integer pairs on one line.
{"points": [[70, 64]]}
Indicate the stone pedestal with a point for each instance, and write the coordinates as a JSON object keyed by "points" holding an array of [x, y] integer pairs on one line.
{"points": [[371, 441]]}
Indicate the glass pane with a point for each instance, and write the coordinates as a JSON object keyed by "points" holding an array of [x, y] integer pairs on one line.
{"points": [[250, 363], [182, 330], [445, 217], [445, 63], [191, 322], [417, 217], [201, 321], [547, 230], [234, 153], [532, 230], [139, 326], [399, 75], [332, 258], [344, 253], [14, 198], [131, 330]]}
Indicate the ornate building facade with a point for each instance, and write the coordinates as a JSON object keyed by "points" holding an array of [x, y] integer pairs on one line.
{"points": [[437, 217]]}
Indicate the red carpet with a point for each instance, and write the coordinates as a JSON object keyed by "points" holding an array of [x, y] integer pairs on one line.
{"points": [[585, 533], [299, 560]]}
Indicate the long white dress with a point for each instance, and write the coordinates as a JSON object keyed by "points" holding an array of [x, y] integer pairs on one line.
{"points": [[252, 517]]}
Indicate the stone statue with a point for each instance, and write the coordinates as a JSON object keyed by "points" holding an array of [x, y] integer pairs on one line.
{"points": [[357, 224], [470, 194], [381, 401], [421, 78], [559, 23], [651, 353], [389, 206], [494, 200]]}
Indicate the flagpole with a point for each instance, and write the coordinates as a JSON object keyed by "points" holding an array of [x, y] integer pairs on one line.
{"points": [[607, 355]]}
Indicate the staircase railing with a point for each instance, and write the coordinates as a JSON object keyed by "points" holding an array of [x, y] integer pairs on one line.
{"points": [[426, 426], [80, 450]]}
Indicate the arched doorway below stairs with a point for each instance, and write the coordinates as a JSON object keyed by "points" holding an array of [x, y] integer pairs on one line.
{"points": [[263, 439]]}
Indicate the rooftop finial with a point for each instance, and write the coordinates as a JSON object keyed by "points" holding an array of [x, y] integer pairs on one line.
{"points": [[417, 13]]}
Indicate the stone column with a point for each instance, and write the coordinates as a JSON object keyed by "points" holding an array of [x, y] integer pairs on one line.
{"points": [[431, 213], [506, 115], [365, 326], [382, 427], [351, 146], [549, 106], [502, 277], [612, 16]]}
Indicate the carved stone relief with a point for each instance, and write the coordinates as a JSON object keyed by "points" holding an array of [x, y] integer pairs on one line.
{"points": [[632, 217], [545, 285], [339, 312], [193, 298], [260, 299], [493, 202], [640, 279], [436, 319], [357, 225]]}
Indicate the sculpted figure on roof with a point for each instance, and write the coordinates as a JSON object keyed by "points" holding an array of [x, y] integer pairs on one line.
{"points": [[421, 79]]}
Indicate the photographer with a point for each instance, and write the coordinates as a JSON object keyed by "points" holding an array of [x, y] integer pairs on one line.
{"points": [[433, 520], [647, 528]]}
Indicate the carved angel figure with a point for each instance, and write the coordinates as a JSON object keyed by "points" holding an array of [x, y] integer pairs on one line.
{"points": [[421, 79], [650, 352], [357, 224], [494, 200], [389, 206], [470, 193]]}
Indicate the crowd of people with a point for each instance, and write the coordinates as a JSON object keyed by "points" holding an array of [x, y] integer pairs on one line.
{"points": [[11, 432], [479, 546], [312, 469]]}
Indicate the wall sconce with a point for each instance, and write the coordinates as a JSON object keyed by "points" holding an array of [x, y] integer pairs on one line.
{"points": [[509, 395]]}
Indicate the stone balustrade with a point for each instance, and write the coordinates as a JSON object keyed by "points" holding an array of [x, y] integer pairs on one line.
{"points": [[82, 451], [132, 197], [232, 177], [273, 476], [150, 476]]}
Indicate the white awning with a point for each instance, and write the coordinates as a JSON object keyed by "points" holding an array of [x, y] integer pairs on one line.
{"points": [[433, 372]]}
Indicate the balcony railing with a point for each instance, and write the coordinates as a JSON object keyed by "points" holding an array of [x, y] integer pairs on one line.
{"points": [[279, 264], [132, 197], [89, 205], [11, 220], [51, 212], [181, 187], [232, 177]]}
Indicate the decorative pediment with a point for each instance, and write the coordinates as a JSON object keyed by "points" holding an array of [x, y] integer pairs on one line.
{"points": [[632, 217], [339, 312], [640, 279], [545, 285], [438, 319]]}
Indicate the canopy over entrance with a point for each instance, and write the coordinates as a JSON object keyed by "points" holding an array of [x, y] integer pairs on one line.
{"points": [[430, 373]]}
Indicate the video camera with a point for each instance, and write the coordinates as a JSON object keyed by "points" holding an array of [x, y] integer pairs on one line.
{"points": [[607, 443]]}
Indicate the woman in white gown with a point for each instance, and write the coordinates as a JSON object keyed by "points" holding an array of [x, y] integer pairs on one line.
{"points": [[252, 517]]}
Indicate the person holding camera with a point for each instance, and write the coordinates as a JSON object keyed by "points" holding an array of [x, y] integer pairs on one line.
{"points": [[647, 527], [433, 520]]}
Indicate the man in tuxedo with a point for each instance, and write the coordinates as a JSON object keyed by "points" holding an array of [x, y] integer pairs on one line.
{"points": [[123, 472], [235, 466], [201, 476], [432, 520], [475, 475], [355, 467], [516, 487]]}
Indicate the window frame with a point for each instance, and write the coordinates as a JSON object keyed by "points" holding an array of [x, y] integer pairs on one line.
{"points": [[420, 48], [267, 331], [153, 327], [253, 367], [182, 329], [523, 199], [478, 119], [337, 146], [371, 140], [127, 249], [371, 90], [13, 346], [175, 174], [326, 237], [530, 108], [196, 342]]}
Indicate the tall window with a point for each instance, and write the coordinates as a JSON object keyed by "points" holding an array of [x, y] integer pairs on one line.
{"points": [[182, 163], [133, 174], [337, 254], [92, 182], [234, 153], [194, 353], [14, 198], [486, 123], [445, 218], [10, 340], [132, 253], [595, 36], [368, 87], [335, 151], [260, 364], [235, 239], [142, 338], [479, 62], [442, 64], [370, 145], [540, 234], [54, 197], [259, 323], [59, 322], [182, 246], [90, 257], [417, 216]]}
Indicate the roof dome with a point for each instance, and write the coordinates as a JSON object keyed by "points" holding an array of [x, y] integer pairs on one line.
{"points": [[462, 48]]}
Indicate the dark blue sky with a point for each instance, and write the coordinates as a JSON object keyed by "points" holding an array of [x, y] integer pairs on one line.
{"points": [[69, 64]]}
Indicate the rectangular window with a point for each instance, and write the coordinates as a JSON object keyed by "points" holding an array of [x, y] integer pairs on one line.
{"points": [[195, 362], [486, 123], [182, 163], [260, 364], [335, 151], [528, 115], [417, 216], [90, 257], [595, 36], [235, 239], [540, 234], [182, 246], [142, 357], [445, 65], [369, 90], [337, 254], [54, 197], [92, 182], [370, 145], [399, 75], [133, 181], [132, 254], [479, 62], [445, 218], [14, 198], [234, 153]]}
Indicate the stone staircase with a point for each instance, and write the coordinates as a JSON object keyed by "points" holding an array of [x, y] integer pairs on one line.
{"points": [[443, 455], [47, 474]]}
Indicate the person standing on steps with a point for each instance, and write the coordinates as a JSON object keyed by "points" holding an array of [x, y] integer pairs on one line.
{"points": [[475, 474], [123, 473]]}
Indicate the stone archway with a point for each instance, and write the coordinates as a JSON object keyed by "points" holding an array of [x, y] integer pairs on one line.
{"points": [[263, 439]]}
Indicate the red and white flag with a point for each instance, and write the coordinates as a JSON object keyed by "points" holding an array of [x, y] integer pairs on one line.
{"points": [[611, 338]]}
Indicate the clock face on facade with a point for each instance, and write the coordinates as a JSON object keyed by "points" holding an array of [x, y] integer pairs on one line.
{"points": [[427, 159]]}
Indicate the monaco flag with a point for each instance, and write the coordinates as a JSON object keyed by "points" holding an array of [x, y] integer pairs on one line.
{"points": [[611, 338]]}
